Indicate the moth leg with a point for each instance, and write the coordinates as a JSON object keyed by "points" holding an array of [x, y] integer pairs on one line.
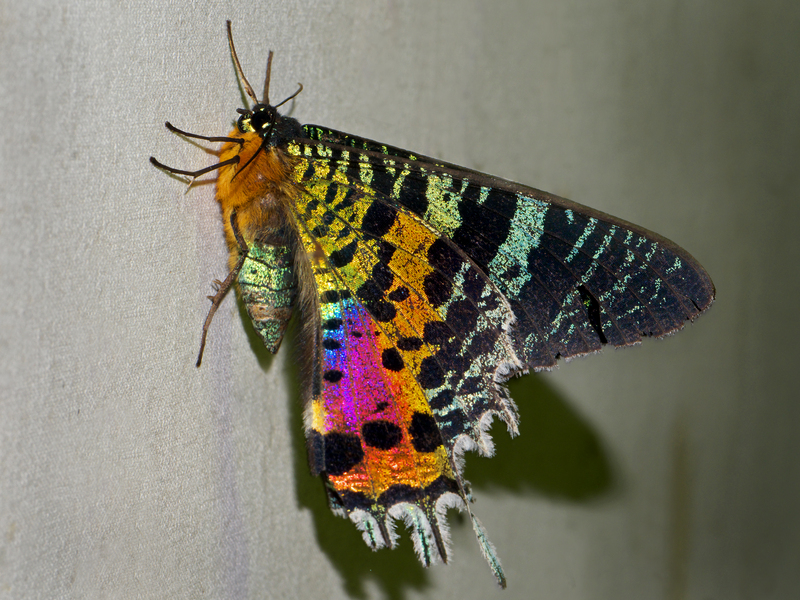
{"points": [[222, 287], [207, 138], [196, 174]]}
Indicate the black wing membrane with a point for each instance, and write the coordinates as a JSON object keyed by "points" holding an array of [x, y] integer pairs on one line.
{"points": [[576, 278]]}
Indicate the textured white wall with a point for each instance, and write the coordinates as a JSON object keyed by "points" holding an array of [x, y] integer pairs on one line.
{"points": [[667, 471]]}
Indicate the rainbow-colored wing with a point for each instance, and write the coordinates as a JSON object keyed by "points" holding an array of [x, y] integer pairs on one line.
{"points": [[407, 363], [434, 285]]}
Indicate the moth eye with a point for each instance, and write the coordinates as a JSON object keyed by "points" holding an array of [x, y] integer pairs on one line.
{"points": [[244, 124]]}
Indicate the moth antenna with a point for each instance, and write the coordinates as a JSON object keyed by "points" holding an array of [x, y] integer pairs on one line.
{"points": [[267, 78], [265, 99], [300, 89], [247, 87]]}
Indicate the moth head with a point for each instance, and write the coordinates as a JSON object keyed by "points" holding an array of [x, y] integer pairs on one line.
{"points": [[259, 120]]}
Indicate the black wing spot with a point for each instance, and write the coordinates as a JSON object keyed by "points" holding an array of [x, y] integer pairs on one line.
{"points": [[343, 451], [436, 333], [443, 400], [382, 311], [430, 373], [372, 297], [378, 219], [462, 315], [442, 256], [437, 287], [392, 360], [332, 324], [385, 252], [383, 276], [407, 344], [425, 436], [330, 296], [381, 434], [343, 257], [333, 375], [399, 294], [593, 311]]}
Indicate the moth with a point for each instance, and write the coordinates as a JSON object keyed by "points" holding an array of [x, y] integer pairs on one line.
{"points": [[422, 287]]}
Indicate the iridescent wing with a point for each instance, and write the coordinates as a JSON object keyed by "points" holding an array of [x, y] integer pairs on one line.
{"points": [[433, 285], [408, 363], [576, 278]]}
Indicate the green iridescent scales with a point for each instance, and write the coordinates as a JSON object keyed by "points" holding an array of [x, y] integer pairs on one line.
{"points": [[576, 278], [268, 288]]}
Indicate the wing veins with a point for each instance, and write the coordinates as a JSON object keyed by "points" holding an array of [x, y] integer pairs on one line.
{"points": [[336, 273], [605, 228], [378, 197], [415, 167]]}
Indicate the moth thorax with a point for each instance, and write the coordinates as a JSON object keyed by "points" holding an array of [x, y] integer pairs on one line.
{"points": [[259, 171]]}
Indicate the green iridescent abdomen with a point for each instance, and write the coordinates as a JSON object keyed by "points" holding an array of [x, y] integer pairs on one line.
{"points": [[268, 287]]}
